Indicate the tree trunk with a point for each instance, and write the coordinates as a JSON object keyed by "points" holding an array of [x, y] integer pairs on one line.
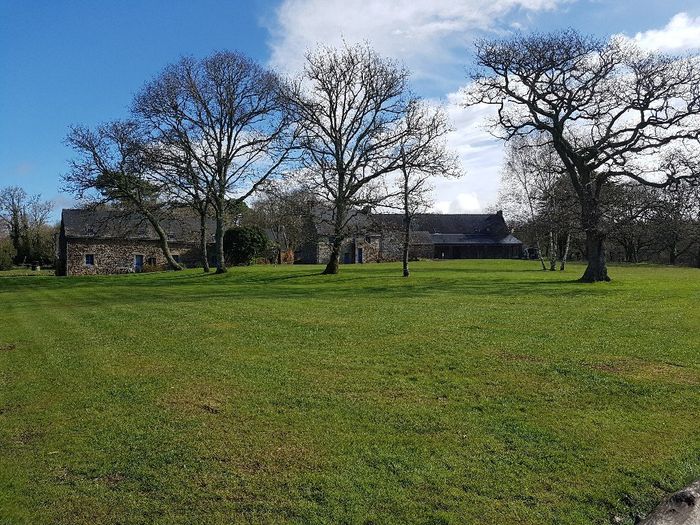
{"points": [[203, 241], [673, 254], [220, 259], [539, 252], [595, 247], [566, 251], [163, 239], [334, 262], [595, 241], [552, 252], [406, 245]]}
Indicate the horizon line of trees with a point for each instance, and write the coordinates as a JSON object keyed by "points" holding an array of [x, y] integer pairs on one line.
{"points": [[597, 116]]}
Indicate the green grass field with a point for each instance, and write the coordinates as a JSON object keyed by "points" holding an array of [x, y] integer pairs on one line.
{"points": [[473, 392]]}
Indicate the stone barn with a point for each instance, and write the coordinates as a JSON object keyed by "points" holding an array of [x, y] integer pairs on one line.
{"points": [[379, 237], [362, 244], [453, 236], [113, 241]]}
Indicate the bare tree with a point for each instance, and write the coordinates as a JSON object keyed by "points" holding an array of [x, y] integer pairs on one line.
{"points": [[13, 213], [224, 115], [533, 188], [25, 217], [675, 224], [423, 155], [187, 186], [528, 176], [350, 106], [610, 111], [111, 167], [629, 210], [283, 213]]}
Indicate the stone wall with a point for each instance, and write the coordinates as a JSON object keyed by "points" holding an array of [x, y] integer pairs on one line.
{"points": [[391, 248], [117, 256], [370, 250], [375, 248]]}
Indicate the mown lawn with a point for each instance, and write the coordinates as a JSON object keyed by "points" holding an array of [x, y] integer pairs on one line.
{"points": [[474, 392]]}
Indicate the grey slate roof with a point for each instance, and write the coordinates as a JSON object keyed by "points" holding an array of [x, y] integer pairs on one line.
{"points": [[322, 217], [457, 228], [473, 239], [116, 224], [421, 237]]}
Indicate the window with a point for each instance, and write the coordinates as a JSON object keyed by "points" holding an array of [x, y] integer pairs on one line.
{"points": [[176, 258], [89, 259], [151, 261]]}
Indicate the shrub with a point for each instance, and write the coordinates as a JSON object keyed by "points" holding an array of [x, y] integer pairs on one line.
{"points": [[7, 254], [243, 244]]}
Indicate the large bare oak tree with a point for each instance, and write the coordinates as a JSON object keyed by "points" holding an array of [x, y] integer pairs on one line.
{"points": [[226, 116], [611, 112], [350, 105]]}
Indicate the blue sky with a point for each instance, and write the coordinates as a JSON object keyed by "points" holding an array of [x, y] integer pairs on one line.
{"points": [[69, 62]]}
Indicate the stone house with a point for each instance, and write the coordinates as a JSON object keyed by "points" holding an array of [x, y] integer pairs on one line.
{"points": [[112, 241], [362, 245], [379, 237], [456, 235]]}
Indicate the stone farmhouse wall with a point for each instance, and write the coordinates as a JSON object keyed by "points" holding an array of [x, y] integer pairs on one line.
{"points": [[369, 245], [421, 251], [118, 256], [391, 248], [375, 248]]}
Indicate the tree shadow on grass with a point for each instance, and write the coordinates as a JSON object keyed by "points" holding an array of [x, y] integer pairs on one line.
{"points": [[293, 283]]}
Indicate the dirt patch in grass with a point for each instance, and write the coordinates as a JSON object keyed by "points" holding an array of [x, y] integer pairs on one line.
{"points": [[7, 347], [197, 399], [280, 457], [111, 480], [65, 475], [650, 371], [28, 436], [136, 365]]}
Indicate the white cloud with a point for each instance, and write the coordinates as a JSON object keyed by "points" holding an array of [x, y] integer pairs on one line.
{"points": [[424, 34], [680, 34], [480, 154], [432, 39], [463, 203]]}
